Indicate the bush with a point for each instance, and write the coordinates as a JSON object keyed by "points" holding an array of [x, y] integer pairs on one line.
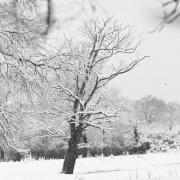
{"points": [[139, 148], [116, 150], [95, 151], [12, 155], [164, 141], [107, 151]]}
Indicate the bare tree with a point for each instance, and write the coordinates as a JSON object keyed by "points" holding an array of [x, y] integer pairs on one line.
{"points": [[149, 109], [172, 114], [84, 69], [24, 58]]}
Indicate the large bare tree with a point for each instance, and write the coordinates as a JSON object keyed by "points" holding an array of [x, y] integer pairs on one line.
{"points": [[83, 69]]}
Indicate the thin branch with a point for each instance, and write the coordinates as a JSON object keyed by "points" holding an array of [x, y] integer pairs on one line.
{"points": [[68, 92], [92, 92], [128, 68]]}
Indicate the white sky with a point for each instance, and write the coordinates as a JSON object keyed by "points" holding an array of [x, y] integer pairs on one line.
{"points": [[159, 75]]}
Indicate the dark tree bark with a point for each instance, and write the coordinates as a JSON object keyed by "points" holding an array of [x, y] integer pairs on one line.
{"points": [[136, 135], [72, 150], [85, 150], [49, 15], [70, 158], [2, 154]]}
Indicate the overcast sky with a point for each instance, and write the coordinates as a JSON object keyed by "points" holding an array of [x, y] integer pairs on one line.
{"points": [[160, 74]]}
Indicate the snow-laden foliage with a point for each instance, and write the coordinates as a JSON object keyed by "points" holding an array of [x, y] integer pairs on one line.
{"points": [[164, 141]]}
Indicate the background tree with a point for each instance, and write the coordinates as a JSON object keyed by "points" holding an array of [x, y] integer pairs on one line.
{"points": [[172, 114], [22, 53], [150, 109]]}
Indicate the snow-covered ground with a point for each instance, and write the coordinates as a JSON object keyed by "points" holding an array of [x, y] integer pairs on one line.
{"points": [[144, 167]]}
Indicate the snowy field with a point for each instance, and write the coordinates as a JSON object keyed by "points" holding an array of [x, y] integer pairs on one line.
{"points": [[143, 167]]}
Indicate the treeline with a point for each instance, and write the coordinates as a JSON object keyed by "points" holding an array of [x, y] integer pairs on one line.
{"points": [[146, 125]]}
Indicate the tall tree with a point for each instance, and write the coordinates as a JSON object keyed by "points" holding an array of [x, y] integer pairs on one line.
{"points": [[84, 70]]}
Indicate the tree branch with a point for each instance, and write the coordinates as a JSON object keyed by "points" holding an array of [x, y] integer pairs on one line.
{"points": [[106, 79]]}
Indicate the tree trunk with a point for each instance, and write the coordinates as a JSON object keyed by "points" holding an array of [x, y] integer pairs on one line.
{"points": [[70, 158], [85, 149], [72, 151], [2, 154], [136, 135]]}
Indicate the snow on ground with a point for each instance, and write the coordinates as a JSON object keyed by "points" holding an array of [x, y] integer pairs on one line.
{"points": [[143, 167]]}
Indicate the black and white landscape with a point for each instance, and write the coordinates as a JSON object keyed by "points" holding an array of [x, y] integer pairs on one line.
{"points": [[89, 89]]}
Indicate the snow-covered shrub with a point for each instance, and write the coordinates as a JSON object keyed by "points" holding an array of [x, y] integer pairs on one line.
{"points": [[12, 155], [140, 147], [164, 141], [117, 150], [46, 148], [95, 151]]}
